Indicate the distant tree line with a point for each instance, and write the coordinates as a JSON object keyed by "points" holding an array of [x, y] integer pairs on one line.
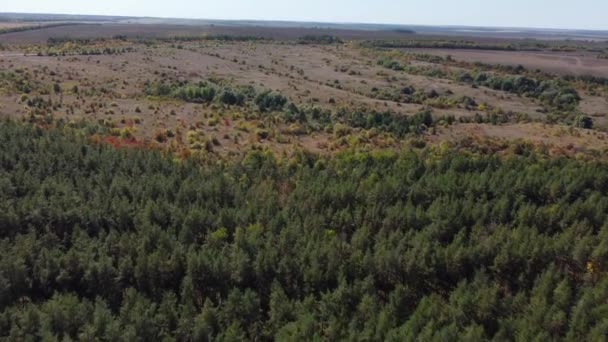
{"points": [[513, 45], [441, 44], [34, 27], [219, 37], [405, 31], [319, 39]]}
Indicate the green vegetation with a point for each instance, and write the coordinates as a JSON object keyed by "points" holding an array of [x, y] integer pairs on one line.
{"points": [[319, 39], [207, 92], [18, 80], [34, 27], [126, 244], [588, 79], [201, 92], [511, 45], [442, 44], [63, 51], [554, 94], [584, 121], [402, 30], [231, 97], [68, 46], [217, 225], [221, 37], [269, 102], [272, 104], [396, 124], [390, 64], [56, 41], [274, 108], [503, 69], [399, 125]]}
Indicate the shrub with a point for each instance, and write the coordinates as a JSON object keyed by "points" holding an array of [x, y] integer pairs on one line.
{"points": [[341, 130], [268, 102], [584, 121], [262, 134], [229, 97]]}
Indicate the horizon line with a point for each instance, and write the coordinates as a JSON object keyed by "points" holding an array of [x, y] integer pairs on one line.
{"points": [[311, 21]]}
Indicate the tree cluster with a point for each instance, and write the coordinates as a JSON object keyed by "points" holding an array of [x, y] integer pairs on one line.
{"points": [[553, 93], [319, 39], [201, 92]]}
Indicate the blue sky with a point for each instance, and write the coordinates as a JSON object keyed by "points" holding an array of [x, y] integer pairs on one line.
{"points": [[583, 14]]}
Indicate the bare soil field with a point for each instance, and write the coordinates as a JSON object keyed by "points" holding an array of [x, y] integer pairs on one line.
{"points": [[561, 63]]}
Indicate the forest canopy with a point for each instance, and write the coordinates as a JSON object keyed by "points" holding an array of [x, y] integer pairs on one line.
{"points": [[100, 243]]}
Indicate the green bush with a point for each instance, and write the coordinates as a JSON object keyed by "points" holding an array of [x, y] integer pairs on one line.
{"points": [[584, 121], [269, 101]]}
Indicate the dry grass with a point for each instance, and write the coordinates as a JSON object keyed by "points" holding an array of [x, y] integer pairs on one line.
{"points": [[562, 63], [330, 77]]}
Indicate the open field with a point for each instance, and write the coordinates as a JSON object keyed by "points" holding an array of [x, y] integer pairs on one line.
{"points": [[562, 63], [324, 76], [109, 30], [9, 25], [84, 72], [558, 139]]}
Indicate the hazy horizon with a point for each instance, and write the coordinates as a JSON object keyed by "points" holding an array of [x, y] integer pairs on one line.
{"points": [[542, 14]]}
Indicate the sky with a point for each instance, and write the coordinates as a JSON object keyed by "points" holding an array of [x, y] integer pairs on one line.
{"points": [[579, 14]]}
